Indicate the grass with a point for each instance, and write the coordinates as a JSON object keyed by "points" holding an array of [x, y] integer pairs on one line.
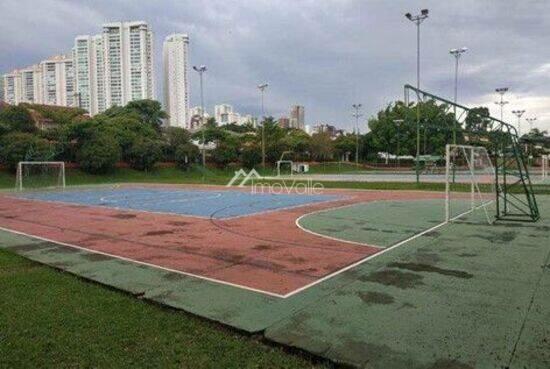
{"points": [[199, 175], [52, 319]]}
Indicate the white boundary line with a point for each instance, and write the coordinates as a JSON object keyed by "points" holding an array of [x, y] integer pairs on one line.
{"points": [[145, 263], [272, 294], [334, 238], [370, 257]]}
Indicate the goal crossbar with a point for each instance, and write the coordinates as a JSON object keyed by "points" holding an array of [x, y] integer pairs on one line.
{"points": [[21, 173]]}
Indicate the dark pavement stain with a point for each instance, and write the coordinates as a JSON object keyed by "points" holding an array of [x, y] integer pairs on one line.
{"points": [[158, 233], [178, 223], [467, 255], [296, 260], [31, 247], [498, 237], [373, 298], [449, 364], [96, 257], [63, 250], [171, 276], [394, 278], [263, 247], [123, 216], [427, 257], [432, 234], [407, 305], [431, 269]]}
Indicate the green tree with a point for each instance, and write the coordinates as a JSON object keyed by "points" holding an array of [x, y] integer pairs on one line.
{"points": [[99, 154], [149, 111], [321, 146], [22, 146], [185, 155], [17, 118], [174, 137], [144, 154]]}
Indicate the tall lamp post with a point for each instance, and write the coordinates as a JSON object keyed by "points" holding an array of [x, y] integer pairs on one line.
{"points": [[357, 115], [456, 53], [262, 88], [501, 91], [398, 125], [518, 113], [201, 69], [531, 121], [418, 19]]}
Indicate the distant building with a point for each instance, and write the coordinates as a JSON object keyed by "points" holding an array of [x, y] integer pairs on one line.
{"points": [[88, 56], [224, 114], [284, 122], [176, 80], [297, 117], [58, 82], [128, 48], [1, 89], [327, 128]]}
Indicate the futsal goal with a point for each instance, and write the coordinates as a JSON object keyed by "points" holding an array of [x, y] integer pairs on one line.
{"points": [[470, 191], [40, 175], [544, 168]]}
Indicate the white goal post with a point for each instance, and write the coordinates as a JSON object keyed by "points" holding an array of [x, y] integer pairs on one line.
{"points": [[544, 168], [468, 166], [40, 174]]}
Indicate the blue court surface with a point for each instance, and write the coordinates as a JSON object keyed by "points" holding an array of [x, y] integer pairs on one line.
{"points": [[208, 204]]}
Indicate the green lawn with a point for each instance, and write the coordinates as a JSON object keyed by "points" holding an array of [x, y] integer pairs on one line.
{"points": [[199, 175], [51, 319]]}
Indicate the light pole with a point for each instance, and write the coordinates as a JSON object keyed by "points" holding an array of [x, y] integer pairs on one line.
{"points": [[357, 115], [518, 113], [531, 121], [456, 53], [262, 88], [398, 125], [501, 91], [201, 69], [418, 19]]}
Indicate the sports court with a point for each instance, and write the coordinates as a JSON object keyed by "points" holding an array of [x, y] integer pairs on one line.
{"points": [[367, 278]]}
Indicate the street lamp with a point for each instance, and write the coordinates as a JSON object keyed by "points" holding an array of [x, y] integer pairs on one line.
{"points": [[531, 121], [356, 115], [501, 91], [262, 87], [518, 113], [201, 69], [456, 53], [417, 19], [398, 124]]}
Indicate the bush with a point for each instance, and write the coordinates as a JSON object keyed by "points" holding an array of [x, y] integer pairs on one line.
{"points": [[186, 155], [144, 154], [174, 137], [99, 154], [225, 153], [18, 146], [251, 156], [17, 118]]}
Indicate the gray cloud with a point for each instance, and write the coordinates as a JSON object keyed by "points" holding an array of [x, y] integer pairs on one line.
{"points": [[325, 55]]}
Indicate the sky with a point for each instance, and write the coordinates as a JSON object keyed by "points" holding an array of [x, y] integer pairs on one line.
{"points": [[325, 55]]}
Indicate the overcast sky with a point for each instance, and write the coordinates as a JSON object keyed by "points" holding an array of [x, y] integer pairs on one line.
{"points": [[324, 55]]}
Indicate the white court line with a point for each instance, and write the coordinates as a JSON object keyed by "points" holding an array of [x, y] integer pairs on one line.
{"points": [[370, 257], [214, 280], [334, 238], [272, 294]]}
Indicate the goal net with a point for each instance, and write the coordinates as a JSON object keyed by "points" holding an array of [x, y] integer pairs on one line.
{"points": [[544, 167], [470, 192], [40, 175]]}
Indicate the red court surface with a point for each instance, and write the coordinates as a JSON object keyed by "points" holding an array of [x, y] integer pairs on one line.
{"points": [[264, 252]]}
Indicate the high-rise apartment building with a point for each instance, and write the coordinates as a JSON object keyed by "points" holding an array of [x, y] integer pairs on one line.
{"points": [[176, 81], [297, 117], [12, 88], [88, 55], [23, 85], [128, 60], [58, 82]]}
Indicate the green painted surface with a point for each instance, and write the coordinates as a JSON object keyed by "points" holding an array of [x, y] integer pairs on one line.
{"points": [[381, 223], [468, 295]]}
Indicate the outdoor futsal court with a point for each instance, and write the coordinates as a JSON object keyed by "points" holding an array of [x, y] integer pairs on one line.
{"points": [[368, 278]]}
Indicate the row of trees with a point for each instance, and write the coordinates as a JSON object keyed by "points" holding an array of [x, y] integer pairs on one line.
{"points": [[134, 134]]}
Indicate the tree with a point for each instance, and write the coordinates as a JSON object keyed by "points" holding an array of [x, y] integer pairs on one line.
{"points": [[344, 145], [174, 137], [226, 152], [321, 146], [99, 154], [144, 154], [149, 111], [22, 146], [251, 155], [17, 118], [185, 155]]}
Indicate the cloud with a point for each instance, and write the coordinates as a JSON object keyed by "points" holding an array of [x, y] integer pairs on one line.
{"points": [[323, 54]]}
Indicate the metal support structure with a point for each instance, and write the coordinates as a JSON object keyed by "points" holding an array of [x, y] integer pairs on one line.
{"points": [[356, 114], [201, 69], [262, 88], [516, 200]]}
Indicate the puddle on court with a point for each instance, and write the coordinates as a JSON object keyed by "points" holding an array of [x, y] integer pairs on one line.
{"points": [[415, 267], [396, 278], [376, 298]]}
